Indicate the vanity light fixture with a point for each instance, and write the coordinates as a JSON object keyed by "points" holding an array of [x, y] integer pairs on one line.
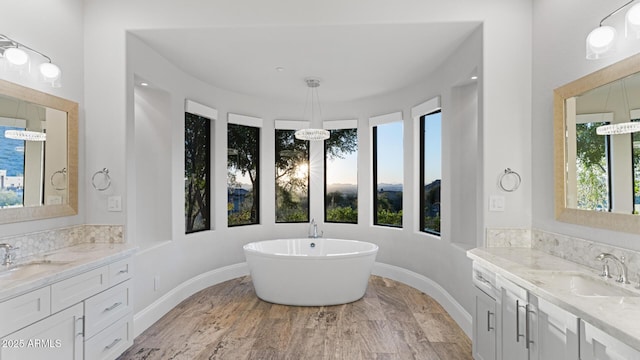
{"points": [[601, 40], [18, 59], [313, 134]]}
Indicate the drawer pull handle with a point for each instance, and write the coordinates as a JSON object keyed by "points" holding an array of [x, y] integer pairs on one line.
{"points": [[489, 327], [123, 271], [108, 347], [113, 306]]}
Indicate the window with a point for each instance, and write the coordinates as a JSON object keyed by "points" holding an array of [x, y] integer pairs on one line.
{"points": [[243, 162], [197, 170], [12, 161], [341, 176], [388, 174], [635, 148], [430, 171], [292, 177]]}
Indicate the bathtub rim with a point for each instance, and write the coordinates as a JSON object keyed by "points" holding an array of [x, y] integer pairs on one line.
{"points": [[369, 252]]}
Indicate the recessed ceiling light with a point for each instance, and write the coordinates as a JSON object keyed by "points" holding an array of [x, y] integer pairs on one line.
{"points": [[474, 77], [144, 84], [279, 69]]}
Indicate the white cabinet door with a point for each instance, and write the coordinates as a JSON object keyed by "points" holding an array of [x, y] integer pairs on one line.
{"points": [[556, 337], [484, 326], [595, 344], [58, 337], [513, 322]]}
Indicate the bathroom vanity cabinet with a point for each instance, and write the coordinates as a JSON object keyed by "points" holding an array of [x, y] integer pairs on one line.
{"points": [[86, 316], [512, 324], [595, 344]]}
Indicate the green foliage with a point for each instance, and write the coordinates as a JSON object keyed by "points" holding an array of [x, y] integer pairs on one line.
{"points": [[591, 159], [391, 218], [9, 198], [342, 215], [432, 224]]}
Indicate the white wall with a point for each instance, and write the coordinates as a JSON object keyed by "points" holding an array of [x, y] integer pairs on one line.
{"points": [[560, 30], [55, 28]]}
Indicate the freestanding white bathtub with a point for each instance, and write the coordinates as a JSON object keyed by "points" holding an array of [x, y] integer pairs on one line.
{"points": [[310, 272]]}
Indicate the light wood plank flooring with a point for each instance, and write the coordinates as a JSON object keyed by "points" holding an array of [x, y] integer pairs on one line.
{"points": [[228, 321]]}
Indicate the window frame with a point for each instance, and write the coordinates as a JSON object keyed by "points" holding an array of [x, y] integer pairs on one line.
{"points": [[374, 122], [208, 213], [346, 127], [237, 120], [421, 182], [308, 182]]}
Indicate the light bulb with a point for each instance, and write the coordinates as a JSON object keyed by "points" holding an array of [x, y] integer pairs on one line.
{"points": [[600, 41], [16, 56], [49, 71]]}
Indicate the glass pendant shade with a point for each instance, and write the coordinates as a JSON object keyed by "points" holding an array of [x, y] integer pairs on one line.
{"points": [[50, 74], [15, 56], [313, 133], [632, 22], [600, 42]]}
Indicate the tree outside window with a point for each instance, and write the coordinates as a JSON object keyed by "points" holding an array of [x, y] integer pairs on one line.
{"points": [[197, 172], [292, 177], [243, 187], [341, 176]]}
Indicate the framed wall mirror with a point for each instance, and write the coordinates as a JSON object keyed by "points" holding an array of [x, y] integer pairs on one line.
{"points": [[38, 155], [597, 148]]}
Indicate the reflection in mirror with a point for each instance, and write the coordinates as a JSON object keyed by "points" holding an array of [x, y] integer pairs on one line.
{"points": [[602, 162], [38, 154], [33, 150], [597, 157]]}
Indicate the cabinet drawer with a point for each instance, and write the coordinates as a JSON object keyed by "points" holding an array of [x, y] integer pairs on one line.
{"points": [[112, 341], [23, 310], [120, 271], [68, 292], [105, 308]]}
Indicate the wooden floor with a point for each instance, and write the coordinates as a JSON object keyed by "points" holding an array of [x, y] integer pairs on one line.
{"points": [[228, 321]]}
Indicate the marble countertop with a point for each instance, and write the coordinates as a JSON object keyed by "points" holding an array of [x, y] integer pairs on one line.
{"points": [[531, 269], [68, 262]]}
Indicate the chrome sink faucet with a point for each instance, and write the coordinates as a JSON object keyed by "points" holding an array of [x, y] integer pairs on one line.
{"points": [[622, 267], [8, 254]]}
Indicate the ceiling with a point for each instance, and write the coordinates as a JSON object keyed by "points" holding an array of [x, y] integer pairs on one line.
{"points": [[352, 61]]}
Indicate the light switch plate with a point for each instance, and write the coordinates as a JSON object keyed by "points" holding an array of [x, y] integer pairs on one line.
{"points": [[114, 203], [496, 203]]}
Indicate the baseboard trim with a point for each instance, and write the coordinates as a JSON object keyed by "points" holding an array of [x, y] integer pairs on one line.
{"points": [[152, 313], [429, 287]]}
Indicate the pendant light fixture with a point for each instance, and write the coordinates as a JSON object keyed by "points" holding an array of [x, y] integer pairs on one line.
{"points": [[18, 60], [315, 132]]}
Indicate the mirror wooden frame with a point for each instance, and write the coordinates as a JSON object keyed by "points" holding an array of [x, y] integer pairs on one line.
{"points": [[605, 220], [12, 215]]}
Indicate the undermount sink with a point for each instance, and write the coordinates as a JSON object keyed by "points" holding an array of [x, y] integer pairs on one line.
{"points": [[24, 270], [584, 285]]}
